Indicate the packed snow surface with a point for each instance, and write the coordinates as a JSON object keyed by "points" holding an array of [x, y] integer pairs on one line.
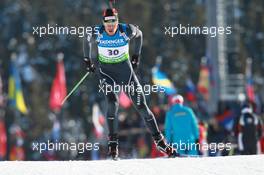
{"points": [[231, 165]]}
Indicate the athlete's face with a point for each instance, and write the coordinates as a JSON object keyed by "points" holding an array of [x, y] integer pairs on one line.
{"points": [[111, 27]]}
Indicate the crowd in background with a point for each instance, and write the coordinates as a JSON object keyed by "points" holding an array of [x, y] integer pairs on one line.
{"points": [[36, 60]]}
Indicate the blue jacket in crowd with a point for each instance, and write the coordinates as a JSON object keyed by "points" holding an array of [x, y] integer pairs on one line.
{"points": [[181, 126]]}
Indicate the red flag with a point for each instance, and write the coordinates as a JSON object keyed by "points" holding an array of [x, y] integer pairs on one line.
{"points": [[250, 90], [204, 82], [58, 89], [249, 81], [124, 100], [98, 121], [2, 140], [190, 91]]}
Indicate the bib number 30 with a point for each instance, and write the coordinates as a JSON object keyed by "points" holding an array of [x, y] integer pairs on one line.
{"points": [[113, 52]]}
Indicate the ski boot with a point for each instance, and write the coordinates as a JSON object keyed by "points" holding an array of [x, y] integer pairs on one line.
{"points": [[162, 146], [113, 147]]}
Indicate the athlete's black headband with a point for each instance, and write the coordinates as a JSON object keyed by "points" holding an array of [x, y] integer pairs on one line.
{"points": [[110, 15]]}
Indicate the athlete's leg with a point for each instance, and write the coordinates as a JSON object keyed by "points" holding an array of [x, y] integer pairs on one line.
{"points": [[139, 100], [111, 114], [112, 121]]}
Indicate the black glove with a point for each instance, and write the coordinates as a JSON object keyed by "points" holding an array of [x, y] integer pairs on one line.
{"points": [[135, 61], [89, 65]]}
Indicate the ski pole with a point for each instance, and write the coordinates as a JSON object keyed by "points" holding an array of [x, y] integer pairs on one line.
{"points": [[75, 87]]}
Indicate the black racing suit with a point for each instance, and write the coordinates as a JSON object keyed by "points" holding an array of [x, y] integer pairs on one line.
{"points": [[250, 131], [121, 73]]}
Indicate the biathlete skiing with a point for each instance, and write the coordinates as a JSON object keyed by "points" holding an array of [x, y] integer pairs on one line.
{"points": [[114, 66]]}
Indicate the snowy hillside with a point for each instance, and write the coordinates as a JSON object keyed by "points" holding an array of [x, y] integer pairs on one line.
{"points": [[235, 165]]}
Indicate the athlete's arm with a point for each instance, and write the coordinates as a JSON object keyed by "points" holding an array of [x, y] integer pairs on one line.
{"points": [[88, 40], [87, 46], [133, 32]]}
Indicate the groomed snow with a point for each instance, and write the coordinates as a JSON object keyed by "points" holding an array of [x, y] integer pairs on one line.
{"points": [[232, 165]]}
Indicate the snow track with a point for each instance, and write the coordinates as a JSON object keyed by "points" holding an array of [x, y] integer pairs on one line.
{"points": [[232, 165]]}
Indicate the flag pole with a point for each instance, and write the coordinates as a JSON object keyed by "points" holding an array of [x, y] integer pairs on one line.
{"points": [[111, 2], [75, 87]]}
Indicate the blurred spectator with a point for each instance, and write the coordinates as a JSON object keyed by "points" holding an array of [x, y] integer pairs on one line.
{"points": [[202, 137], [181, 127], [249, 131], [215, 134], [17, 151], [262, 144]]}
